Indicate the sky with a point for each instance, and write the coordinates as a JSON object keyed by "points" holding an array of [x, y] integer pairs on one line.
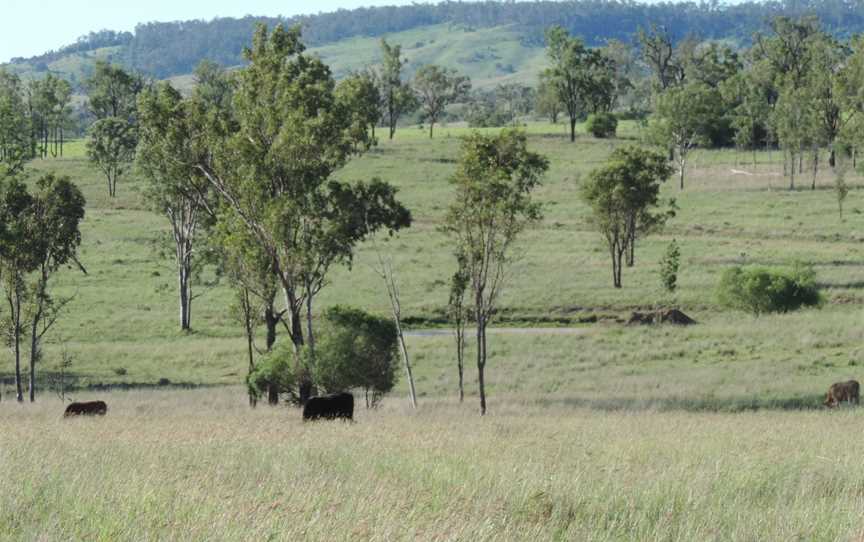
{"points": [[32, 27]]}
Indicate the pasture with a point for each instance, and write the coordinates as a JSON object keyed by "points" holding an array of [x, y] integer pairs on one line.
{"points": [[201, 465], [602, 432]]}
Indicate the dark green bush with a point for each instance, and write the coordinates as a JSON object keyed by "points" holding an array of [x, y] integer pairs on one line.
{"points": [[273, 375], [602, 125], [356, 350], [760, 290]]}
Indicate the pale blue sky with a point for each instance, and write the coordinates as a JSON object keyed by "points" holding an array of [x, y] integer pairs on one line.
{"points": [[32, 27]]}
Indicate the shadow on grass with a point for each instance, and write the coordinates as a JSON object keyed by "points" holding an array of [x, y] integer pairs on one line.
{"points": [[705, 404], [49, 382]]}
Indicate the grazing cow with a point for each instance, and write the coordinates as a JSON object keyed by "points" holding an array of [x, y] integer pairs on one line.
{"points": [[92, 408], [842, 391], [329, 407]]}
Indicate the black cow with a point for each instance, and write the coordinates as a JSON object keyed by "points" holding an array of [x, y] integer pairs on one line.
{"points": [[92, 408], [329, 407]]}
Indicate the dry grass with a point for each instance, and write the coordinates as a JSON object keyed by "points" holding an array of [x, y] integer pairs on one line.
{"points": [[203, 466]]}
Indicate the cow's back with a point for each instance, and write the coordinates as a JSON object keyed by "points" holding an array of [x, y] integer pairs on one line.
{"points": [[91, 408], [330, 407]]}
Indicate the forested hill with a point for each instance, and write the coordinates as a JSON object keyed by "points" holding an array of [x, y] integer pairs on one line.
{"points": [[168, 49]]}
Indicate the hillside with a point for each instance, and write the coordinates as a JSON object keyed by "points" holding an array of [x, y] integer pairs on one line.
{"points": [[490, 41]]}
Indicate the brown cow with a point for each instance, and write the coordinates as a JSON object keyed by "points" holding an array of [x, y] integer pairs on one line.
{"points": [[842, 391], [86, 409]]}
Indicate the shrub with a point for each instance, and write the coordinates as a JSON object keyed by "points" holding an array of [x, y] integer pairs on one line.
{"points": [[356, 350], [273, 375], [760, 290], [669, 266], [602, 125]]}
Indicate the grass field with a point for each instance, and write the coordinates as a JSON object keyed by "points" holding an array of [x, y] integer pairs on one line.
{"points": [[201, 465], [606, 432], [122, 326]]}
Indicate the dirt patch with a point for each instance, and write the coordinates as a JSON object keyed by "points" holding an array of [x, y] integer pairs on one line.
{"points": [[662, 316]]}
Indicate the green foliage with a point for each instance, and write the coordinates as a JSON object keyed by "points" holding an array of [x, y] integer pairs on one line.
{"points": [[111, 147], [15, 129], [112, 92], [360, 94], [760, 290], [622, 196], [584, 79], [436, 88], [602, 125], [669, 267], [356, 349], [841, 190], [684, 118], [273, 374], [397, 96]]}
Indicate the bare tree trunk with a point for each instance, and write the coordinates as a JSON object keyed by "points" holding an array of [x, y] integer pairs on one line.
{"points": [[184, 281], [460, 356], [815, 168], [572, 129], [681, 162], [16, 338], [481, 361], [431, 128], [386, 272]]}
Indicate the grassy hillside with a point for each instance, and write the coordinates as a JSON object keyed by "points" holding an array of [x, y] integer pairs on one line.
{"points": [[489, 55], [122, 326]]}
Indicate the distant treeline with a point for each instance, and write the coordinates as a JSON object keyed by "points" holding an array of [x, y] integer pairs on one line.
{"points": [[89, 42], [166, 49]]}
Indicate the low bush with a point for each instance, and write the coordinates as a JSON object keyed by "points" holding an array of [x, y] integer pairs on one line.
{"points": [[602, 125], [273, 375], [760, 290], [356, 350]]}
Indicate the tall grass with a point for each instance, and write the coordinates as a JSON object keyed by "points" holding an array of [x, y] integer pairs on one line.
{"points": [[203, 466]]}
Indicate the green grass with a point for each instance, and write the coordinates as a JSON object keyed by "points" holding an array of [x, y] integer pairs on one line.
{"points": [[605, 432], [122, 326]]}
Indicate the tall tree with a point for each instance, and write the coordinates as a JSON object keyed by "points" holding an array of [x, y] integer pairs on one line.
{"points": [[15, 136], [548, 103], [584, 78], [17, 259], [684, 116], [659, 53], [113, 92], [459, 314], [622, 195], [397, 97], [492, 205], [359, 92], [168, 151], [273, 170], [111, 147], [436, 88], [54, 219]]}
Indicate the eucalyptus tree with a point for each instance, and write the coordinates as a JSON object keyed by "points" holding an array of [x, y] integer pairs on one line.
{"points": [[623, 195], [39, 233], [54, 219], [111, 147], [113, 92], [683, 118], [170, 146], [583, 78], [397, 97], [492, 205], [359, 92], [436, 88], [15, 134], [273, 172]]}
